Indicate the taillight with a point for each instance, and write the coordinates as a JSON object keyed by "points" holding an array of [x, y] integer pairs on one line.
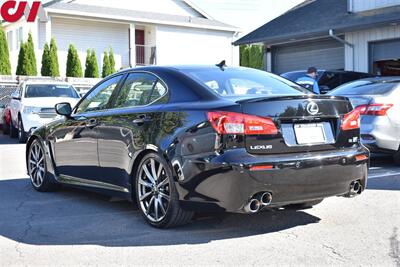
{"points": [[237, 123], [374, 109], [351, 120]]}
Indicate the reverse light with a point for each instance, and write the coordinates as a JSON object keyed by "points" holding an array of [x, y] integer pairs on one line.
{"points": [[237, 123], [351, 120], [374, 109]]}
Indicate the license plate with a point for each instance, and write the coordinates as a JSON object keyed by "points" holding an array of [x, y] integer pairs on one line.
{"points": [[310, 134]]}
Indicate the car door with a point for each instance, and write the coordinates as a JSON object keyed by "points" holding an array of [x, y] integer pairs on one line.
{"points": [[129, 126], [75, 142], [15, 104]]}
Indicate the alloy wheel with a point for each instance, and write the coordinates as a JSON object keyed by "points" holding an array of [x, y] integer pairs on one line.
{"points": [[36, 164], [153, 190]]}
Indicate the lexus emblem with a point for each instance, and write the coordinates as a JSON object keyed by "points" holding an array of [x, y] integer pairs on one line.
{"points": [[312, 108]]}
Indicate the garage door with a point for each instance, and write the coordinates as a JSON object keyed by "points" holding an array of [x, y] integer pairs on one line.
{"points": [[325, 54], [385, 57], [91, 35]]}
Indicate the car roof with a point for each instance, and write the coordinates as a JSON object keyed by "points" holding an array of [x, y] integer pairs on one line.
{"points": [[177, 67]]}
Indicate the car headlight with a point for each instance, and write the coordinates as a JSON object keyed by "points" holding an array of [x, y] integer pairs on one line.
{"points": [[31, 110]]}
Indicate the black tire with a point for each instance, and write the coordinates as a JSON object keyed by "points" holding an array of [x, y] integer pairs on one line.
{"points": [[396, 157], [156, 192], [304, 205], [6, 129], [22, 135], [13, 131], [43, 182]]}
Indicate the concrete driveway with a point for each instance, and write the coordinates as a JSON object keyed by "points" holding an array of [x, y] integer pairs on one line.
{"points": [[77, 228]]}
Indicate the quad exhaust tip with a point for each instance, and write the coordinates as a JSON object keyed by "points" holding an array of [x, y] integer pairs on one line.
{"points": [[255, 204]]}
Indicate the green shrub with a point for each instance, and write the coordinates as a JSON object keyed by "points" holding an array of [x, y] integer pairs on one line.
{"points": [[22, 59], [46, 61], [106, 70], [74, 67], [252, 56], [5, 65], [31, 67], [54, 67], [91, 66], [112, 61]]}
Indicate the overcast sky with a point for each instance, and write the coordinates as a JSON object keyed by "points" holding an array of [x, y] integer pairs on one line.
{"points": [[246, 14]]}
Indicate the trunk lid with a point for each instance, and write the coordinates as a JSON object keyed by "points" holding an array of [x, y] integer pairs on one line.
{"points": [[305, 123]]}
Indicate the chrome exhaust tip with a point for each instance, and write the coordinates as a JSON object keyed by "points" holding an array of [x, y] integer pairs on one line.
{"points": [[253, 206], [355, 188], [266, 198]]}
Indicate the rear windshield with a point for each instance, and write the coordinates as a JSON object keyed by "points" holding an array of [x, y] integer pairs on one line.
{"points": [[48, 90], [363, 87], [242, 82]]}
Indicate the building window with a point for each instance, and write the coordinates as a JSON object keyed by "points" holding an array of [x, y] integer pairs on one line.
{"points": [[10, 40], [20, 36]]}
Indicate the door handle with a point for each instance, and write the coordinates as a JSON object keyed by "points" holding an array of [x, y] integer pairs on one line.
{"points": [[141, 119], [91, 123]]}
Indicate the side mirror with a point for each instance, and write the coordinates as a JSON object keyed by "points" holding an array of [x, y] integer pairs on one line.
{"points": [[64, 109], [15, 96]]}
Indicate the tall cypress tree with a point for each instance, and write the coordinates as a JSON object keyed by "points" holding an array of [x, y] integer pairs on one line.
{"points": [[54, 67], [74, 67], [30, 53], [22, 59], [5, 65], [112, 61], [95, 64], [46, 61], [106, 70], [91, 66]]}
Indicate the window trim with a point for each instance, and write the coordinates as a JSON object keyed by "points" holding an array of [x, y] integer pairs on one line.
{"points": [[158, 79], [111, 100]]}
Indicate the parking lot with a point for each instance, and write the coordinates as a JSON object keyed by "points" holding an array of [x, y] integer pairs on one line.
{"points": [[77, 228]]}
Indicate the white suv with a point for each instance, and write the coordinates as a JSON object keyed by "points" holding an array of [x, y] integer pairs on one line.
{"points": [[32, 105]]}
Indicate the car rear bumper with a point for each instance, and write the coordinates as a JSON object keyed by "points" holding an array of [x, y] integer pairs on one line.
{"points": [[379, 134], [226, 183]]}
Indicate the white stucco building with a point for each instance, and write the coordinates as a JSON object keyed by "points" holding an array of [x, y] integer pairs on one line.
{"points": [[147, 32]]}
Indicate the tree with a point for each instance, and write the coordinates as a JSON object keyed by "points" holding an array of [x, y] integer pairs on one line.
{"points": [[54, 67], [21, 67], [31, 57], [5, 65], [256, 57], [112, 61], [74, 67], [106, 65], [46, 61], [91, 67], [244, 56]]}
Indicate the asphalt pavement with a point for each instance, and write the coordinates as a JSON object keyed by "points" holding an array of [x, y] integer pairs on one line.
{"points": [[78, 228]]}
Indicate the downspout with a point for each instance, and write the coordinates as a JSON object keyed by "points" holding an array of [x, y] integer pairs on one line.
{"points": [[337, 38]]}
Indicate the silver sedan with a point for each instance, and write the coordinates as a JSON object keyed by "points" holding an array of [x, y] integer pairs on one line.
{"points": [[378, 100]]}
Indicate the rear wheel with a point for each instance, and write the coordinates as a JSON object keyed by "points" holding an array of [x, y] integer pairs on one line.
{"points": [[156, 194], [37, 169], [21, 133], [304, 205], [13, 130]]}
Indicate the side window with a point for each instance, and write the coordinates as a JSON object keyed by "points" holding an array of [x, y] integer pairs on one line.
{"points": [[99, 97], [139, 89]]}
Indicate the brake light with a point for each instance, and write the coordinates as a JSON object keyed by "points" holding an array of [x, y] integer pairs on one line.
{"points": [[237, 123], [374, 109], [351, 120]]}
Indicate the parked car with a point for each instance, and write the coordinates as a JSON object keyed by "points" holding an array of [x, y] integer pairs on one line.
{"points": [[183, 139], [378, 100], [32, 105], [329, 79], [5, 119]]}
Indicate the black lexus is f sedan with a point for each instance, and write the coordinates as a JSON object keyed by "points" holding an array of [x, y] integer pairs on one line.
{"points": [[182, 139]]}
